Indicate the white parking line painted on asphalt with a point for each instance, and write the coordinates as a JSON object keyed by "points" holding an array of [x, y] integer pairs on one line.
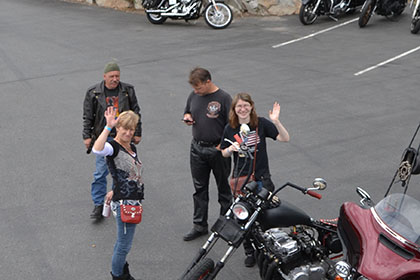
{"points": [[386, 61], [314, 34]]}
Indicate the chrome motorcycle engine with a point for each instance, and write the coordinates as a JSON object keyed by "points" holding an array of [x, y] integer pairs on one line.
{"points": [[281, 243], [294, 256]]}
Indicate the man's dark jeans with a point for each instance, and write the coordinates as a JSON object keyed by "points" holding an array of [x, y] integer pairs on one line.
{"points": [[203, 160]]}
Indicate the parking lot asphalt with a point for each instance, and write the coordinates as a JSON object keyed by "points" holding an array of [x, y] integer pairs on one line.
{"points": [[349, 129]]}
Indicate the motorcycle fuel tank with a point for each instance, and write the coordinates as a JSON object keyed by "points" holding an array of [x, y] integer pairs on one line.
{"points": [[284, 215]]}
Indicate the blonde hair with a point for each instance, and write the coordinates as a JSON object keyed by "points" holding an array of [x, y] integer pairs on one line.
{"points": [[128, 120]]}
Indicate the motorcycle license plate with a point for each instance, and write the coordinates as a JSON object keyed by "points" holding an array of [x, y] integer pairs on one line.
{"points": [[229, 231]]}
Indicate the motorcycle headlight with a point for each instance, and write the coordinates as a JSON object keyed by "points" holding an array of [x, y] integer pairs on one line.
{"points": [[343, 269], [240, 212]]}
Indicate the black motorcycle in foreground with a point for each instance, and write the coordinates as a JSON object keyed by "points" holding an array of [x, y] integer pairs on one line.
{"points": [[311, 9], [289, 243], [387, 8], [216, 13], [415, 18]]}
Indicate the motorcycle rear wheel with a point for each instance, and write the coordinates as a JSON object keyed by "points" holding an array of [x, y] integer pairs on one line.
{"points": [[201, 270], [156, 18], [307, 15], [218, 18], [366, 13]]}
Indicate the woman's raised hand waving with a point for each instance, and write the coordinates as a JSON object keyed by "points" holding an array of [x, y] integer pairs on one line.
{"points": [[110, 116], [275, 112]]}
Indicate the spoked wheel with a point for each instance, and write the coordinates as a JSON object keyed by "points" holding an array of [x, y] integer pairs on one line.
{"points": [[307, 15], [218, 17], [366, 13], [156, 18], [201, 270]]}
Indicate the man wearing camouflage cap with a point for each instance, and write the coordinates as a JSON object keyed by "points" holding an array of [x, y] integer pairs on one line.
{"points": [[109, 92]]}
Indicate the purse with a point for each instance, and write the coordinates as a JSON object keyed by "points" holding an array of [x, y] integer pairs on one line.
{"points": [[237, 183], [131, 213]]}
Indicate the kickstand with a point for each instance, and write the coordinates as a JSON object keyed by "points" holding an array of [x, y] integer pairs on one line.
{"points": [[333, 18]]}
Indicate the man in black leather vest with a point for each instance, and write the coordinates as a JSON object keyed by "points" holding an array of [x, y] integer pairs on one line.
{"points": [[110, 92]]}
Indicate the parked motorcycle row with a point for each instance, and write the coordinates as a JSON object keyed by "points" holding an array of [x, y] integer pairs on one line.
{"points": [[368, 241], [218, 15], [311, 9]]}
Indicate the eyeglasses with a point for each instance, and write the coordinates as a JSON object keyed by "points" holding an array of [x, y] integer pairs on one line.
{"points": [[245, 106]]}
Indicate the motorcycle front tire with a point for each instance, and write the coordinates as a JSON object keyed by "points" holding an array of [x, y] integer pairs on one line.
{"points": [[415, 24], [156, 18], [307, 15], [201, 270], [366, 13], [218, 18]]}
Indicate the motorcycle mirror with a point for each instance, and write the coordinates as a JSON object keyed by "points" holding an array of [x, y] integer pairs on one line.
{"points": [[319, 184], [366, 199]]}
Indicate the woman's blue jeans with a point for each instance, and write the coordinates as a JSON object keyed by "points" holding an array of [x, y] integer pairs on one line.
{"points": [[125, 235]]}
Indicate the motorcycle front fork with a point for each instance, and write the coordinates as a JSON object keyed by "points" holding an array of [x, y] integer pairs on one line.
{"points": [[315, 9], [202, 253], [206, 248], [214, 237], [415, 8], [213, 2]]}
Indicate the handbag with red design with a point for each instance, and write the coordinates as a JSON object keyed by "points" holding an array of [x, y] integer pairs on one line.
{"points": [[131, 213]]}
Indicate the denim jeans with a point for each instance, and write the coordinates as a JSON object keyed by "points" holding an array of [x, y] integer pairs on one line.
{"points": [[125, 235], [98, 189]]}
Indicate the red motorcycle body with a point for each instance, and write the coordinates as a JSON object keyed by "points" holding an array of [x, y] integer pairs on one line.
{"points": [[374, 248]]}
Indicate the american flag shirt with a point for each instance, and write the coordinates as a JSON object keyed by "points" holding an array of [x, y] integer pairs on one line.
{"points": [[266, 129]]}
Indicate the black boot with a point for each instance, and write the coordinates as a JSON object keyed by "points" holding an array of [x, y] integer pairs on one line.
{"points": [[127, 272], [122, 277], [97, 212]]}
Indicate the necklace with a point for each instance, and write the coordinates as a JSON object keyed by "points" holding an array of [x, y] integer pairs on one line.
{"points": [[128, 149]]}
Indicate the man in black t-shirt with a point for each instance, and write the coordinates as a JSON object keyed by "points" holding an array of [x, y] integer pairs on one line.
{"points": [[110, 92], [207, 111]]}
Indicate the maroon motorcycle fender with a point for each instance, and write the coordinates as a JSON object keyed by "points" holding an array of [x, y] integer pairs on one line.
{"points": [[379, 255]]}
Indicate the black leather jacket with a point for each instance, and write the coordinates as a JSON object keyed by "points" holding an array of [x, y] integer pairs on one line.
{"points": [[94, 107]]}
